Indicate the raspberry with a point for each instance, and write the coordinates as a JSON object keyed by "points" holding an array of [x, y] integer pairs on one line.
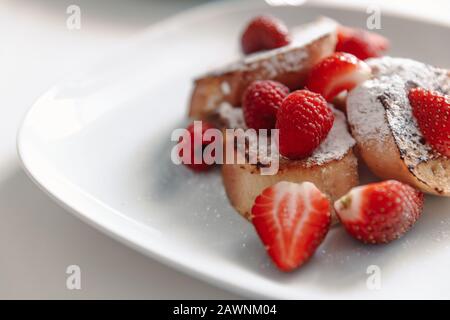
{"points": [[264, 33], [304, 120], [195, 161], [260, 103]]}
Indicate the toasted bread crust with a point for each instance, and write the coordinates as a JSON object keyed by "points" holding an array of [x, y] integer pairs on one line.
{"points": [[289, 66], [384, 128], [390, 165], [243, 182]]}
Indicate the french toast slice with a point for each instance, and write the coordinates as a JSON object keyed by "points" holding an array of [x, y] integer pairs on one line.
{"points": [[289, 65], [387, 134], [333, 167]]}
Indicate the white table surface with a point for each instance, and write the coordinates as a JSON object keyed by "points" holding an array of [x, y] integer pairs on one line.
{"points": [[39, 239]]}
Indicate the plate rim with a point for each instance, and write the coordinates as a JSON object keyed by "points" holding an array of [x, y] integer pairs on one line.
{"points": [[65, 193]]}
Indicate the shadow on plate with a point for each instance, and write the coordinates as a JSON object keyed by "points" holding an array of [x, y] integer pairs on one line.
{"points": [[342, 261]]}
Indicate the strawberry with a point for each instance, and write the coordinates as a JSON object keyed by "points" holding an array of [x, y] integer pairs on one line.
{"points": [[260, 103], [304, 121], [292, 220], [379, 212], [432, 111], [336, 73], [264, 33], [194, 160], [361, 43]]}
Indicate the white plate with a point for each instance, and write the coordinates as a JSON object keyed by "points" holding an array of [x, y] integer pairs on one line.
{"points": [[99, 143]]}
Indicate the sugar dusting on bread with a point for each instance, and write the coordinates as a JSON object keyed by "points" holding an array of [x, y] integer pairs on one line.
{"points": [[278, 64], [381, 107], [337, 143], [410, 70], [365, 112], [334, 147], [284, 59], [231, 117]]}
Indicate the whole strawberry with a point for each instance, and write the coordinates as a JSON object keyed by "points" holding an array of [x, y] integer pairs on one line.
{"points": [[304, 121], [361, 43], [292, 220], [432, 111], [188, 142], [261, 102], [380, 212], [336, 73], [264, 33]]}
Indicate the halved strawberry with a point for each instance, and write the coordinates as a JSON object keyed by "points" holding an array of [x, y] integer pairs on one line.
{"points": [[292, 220], [380, 212], [336, 73], [432, 111], [361, 43]]}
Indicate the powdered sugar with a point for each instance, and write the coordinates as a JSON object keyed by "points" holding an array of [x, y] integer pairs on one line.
{"points": [[212, 101], [410, 70], [287, 58], [231, 117], [380, 106], [365, 112], [225, 87], [334, 147], [401, 121], [337, 143], [278, 64]]}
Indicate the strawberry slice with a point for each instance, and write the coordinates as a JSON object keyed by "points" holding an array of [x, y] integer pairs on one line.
{"points": [[380, 212], [432, 111], [361, 43], [292, 220], [336, 73]]}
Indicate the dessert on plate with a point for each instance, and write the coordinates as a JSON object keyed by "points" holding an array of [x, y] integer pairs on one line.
{"points": [[325, 98], [289, 65], [333, 168]]}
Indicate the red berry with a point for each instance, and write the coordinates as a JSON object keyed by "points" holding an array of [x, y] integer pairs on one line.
{"points": [[292, 220], [363, 44], [432, 111], [188, 142], [264, 33], [336, 73], [304, 121], [380, 212], [260, 103]]}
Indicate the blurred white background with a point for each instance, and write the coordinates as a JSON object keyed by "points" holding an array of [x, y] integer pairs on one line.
{"points": [[38, 239]]}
